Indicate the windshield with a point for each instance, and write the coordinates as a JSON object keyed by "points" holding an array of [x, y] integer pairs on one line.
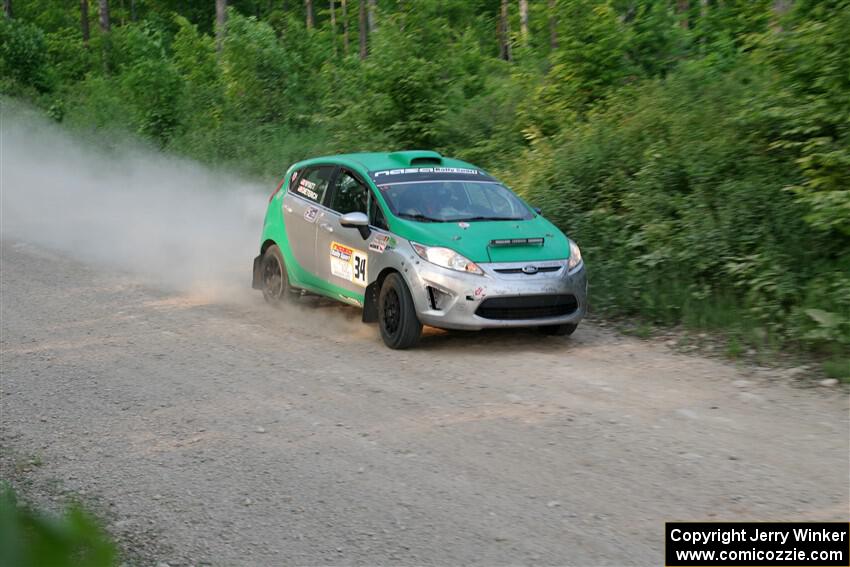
{"points": [[453, 201]]}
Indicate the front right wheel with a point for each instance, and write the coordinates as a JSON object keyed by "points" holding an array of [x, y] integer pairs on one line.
{"points": [[400, 327]]}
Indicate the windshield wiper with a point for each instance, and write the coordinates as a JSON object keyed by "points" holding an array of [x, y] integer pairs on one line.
{"points": [[418, 217], [486, 219]]}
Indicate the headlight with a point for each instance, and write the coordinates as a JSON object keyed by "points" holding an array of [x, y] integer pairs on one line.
{"points": [[447, 258], [575, 256]]}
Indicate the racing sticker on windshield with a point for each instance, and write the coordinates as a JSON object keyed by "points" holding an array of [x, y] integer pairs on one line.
{"points": [[409, 170], [349, 263], [311, 213]]}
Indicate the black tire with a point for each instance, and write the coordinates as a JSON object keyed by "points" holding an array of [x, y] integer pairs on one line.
{"points": [[564, 330], [400, 327], [275, 282]]}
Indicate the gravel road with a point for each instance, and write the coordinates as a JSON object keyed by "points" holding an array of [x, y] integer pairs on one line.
{"points": [[229, 433]]}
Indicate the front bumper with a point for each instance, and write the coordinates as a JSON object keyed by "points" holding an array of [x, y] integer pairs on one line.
{"points": [[455, 300]]}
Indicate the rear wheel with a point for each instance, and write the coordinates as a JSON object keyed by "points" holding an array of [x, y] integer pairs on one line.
{"points": [[400, 327], [276, 288], [564, 330]]}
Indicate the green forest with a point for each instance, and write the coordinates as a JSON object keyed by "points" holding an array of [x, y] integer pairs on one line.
{"points": [[698, 151]]}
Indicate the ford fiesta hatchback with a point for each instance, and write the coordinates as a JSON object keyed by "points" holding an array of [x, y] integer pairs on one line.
{"points": [[415, 238]]}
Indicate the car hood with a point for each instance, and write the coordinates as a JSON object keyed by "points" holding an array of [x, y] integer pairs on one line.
{"points": [[475, 241]]}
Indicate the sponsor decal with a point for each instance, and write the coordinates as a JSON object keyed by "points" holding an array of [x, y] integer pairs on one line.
{"points": [[379, 243], [480, 292], [409, 170], [349, 263], [306, 187], [311, 213]]}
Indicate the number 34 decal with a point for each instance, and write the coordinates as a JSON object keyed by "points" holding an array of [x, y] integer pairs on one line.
{"points": [[360, 268]]}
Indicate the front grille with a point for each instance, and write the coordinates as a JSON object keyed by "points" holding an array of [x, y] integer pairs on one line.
{"points": [[527, 307], [540, 270]]}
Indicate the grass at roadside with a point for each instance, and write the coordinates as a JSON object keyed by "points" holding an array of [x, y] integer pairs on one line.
{"points": [[838, 368], [31, 537]]}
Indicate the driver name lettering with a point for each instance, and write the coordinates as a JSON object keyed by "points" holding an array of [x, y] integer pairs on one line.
{"points": [[305, 187]]}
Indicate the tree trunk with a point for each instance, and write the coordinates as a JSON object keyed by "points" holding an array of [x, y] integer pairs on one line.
{"points": [[220, 23], [104, 16], [345, 26], [682, 8], [132, 10], [333, 28], [84, 20], [553, 24], [523, 20], [778, 11], [504, 32], [373, 24], [7, 8], [364, 48], [308, 7]]}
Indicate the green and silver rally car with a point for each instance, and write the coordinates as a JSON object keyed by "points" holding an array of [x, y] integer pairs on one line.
{"points": [[416, 238]]}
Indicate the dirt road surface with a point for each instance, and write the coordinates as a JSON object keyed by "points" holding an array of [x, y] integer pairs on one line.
{"points": [[234, 434]]}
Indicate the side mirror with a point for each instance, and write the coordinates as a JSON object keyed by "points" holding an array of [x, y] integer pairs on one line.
{"points": [[538, 210], [356, 220]]}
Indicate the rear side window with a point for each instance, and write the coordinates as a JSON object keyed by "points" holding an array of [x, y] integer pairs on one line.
{"points": [[313, 182]]}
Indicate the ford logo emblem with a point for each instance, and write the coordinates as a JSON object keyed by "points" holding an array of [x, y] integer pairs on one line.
{"points": [[529, 270]]}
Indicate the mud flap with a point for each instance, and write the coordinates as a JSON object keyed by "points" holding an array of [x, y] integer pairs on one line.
{"points": [[257, 282], [370, 303]]}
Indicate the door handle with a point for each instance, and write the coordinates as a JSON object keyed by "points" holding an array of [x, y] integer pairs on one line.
{"points": [[326, 227]]}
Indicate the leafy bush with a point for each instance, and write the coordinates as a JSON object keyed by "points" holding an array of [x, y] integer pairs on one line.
{"points": [[154, 88], [32, 538], [23, 57]]}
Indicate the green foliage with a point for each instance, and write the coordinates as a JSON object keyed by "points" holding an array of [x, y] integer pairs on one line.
{"points": [[401, 94], [704, 168], [23, 57], [814, 110], [153, 88], [258, 72], [68, 56], [683, 214], [838, 368], [31, 538]]}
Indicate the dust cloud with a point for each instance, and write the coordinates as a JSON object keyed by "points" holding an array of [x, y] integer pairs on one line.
{"points": [[171, 221]]}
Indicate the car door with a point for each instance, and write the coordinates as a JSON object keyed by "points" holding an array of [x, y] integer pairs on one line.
{"points": [[342, 253], [301, 208]]}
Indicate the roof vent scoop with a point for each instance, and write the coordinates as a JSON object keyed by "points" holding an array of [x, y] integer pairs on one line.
{"points": [[417, 157]]}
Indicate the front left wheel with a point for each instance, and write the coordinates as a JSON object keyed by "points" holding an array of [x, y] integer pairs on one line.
{"points": [[400, 327], [275, 282]]}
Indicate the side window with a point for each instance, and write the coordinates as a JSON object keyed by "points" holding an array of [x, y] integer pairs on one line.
{"points": [[313, 182], [350, 195], [376, 215]]}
